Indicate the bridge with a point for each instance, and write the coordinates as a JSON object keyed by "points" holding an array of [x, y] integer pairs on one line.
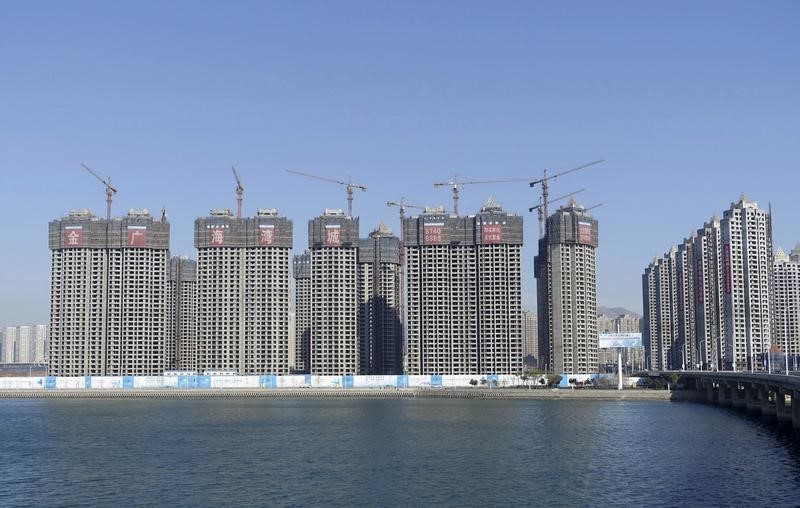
{"points": [[772, 395]]}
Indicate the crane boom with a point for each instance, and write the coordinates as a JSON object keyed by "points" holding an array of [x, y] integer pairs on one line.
{"points": [[546, 178], [559, 198], [349, 185], [110, 191]]}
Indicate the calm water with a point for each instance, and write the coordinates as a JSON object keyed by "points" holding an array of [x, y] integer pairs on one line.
{"points": [[390, 452]]}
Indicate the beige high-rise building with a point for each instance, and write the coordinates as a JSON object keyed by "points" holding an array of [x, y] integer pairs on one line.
{"points": [[40, 339], [10, 345], [25, 348], [567, 292], [333, 246], [182, 348], [301, 270], [379, 326], [530, 339], [108, 296], [464, 306], [709, 299], [787, 301], [243, 292], [747, 273]]}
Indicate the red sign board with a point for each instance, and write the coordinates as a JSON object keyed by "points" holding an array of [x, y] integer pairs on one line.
{"points": [[492, 233], [217, 237], [680, 288], [726, 267], [432, 233], [137, 236], [333, 237], [73, 236], [585, 233], [266, 235]]}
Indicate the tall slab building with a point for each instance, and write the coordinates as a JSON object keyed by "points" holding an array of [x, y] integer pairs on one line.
{"points": [[709, 301], [567, 292], [108, 295], [182, 346], [379, 326], [787, 301], [301, 270], [243, 292], [747, 271], [464, 307], [333, 245]]}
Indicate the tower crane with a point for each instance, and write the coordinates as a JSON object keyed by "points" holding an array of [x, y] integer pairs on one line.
{"points": [[456, 185], [110, 191], [403, 205], [239, 192], [542, 206], [598, 205], [349, 185], [544, 181]]}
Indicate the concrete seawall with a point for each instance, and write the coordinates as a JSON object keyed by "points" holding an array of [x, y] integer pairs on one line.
{"points": [[496, 394]]}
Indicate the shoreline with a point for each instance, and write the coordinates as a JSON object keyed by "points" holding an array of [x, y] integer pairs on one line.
{"points": [[631, 395]]}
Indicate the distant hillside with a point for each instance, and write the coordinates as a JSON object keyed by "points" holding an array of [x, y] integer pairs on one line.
{"points": [[616, 311]]}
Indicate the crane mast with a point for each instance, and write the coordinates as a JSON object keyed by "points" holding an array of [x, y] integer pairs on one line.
{"points": [[239, 192]]}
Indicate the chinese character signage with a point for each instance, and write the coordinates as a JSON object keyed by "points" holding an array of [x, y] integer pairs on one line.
{"points": [[333, 235], [492, 233], [266, 234], [585, 233], [73, 236], [433, 233], [217, 237], [699, 288], [726, 267], [137, 236]]}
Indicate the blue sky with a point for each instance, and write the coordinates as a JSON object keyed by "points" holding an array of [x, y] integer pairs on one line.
{"points": [[690, 103]]}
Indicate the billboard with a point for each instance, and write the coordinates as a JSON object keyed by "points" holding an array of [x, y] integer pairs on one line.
{"points": [[492, 233], [217, 237], [432, 232], [585, 232], [266, 234], [137, 236], [726, 267], [619, 340], [73, 236], [333, 235]]}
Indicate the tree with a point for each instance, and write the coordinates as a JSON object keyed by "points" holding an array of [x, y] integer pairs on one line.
{"points": [[553, 380], [473, 382]]}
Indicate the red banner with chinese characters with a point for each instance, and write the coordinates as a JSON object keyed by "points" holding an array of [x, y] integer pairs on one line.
{"points": [[137, 236], [585, 233], [492, 233], [333, 236], [266, 234], [699, 287], [217, 237], [73, 236], [432, 233]]}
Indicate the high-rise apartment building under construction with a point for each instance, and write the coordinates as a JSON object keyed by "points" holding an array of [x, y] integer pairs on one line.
{"points": [[567, 292], [182, 322], [243, 292], [108, 297], [464, 309], [301, 271], [333, 245], [379, 326]]}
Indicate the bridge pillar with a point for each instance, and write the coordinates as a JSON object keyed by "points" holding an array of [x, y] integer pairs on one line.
{"points": [[737, 396], [750, 397], [780, 407], [710, 395], [767, 409], [725, 396], [796, 409]]}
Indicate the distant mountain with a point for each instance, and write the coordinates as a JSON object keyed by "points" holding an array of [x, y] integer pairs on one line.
{"points": [[616, 311]]}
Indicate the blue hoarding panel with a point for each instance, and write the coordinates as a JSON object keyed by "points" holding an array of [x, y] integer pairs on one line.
{"points": [[493, 379], [87, 382], [436, 380], [268, 381], [308, 379], [347, 381], [402, 381], [50, 383], [203, 382], [127, 382]]}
